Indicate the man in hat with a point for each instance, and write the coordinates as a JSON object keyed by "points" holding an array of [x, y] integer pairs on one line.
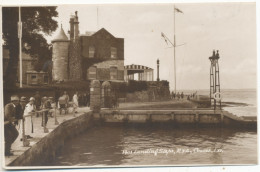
{"points": [[67, 98], [28, 112], [10, 131], [19, 114], [53, 106], [46, 105]]}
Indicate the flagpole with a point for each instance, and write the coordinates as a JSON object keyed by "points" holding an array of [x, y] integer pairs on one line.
{"points": [[20, 47], [174, 45], [97, 20]]}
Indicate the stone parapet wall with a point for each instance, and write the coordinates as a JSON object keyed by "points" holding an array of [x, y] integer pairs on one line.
{"points": [[46, 149], [152, 91]]}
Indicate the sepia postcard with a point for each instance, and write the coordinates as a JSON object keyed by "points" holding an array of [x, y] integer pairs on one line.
{"points": [[129, 85]]}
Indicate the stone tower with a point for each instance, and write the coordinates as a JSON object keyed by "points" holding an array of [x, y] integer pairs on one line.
{"points": [[60, 56], [75, 68]]}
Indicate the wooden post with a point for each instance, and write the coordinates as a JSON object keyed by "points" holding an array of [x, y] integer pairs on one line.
{"points": [[74, 109], [55, 117]]}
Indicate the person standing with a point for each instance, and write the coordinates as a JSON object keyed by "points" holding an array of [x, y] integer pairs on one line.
{"points": [[46, 106], [37, 100], [53, 106], [178, 96], [75, 102], [19, 109], [10, 132], [88, 99], [84, 99], [19, 116], [182, 95], [29, 109], [67, 98]]}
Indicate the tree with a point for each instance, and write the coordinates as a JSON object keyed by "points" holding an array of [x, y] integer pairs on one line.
{"points": [[37, 22]]}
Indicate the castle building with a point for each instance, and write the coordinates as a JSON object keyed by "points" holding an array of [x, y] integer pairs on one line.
{"points": [[94, 55]]}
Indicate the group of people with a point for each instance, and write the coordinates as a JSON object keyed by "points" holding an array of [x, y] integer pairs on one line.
{"points": [[77, 101], [179, 96], [18, 113]]}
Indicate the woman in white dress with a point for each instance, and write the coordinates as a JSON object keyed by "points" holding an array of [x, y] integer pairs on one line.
{"points": [[75, 100], [28, 123]]}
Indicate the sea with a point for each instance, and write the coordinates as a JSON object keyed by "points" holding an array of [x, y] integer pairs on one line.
{"points": [[245, 101], [134, 146]]}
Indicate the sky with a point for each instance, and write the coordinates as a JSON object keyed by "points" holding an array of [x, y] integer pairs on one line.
{"points": [[202, 27]]}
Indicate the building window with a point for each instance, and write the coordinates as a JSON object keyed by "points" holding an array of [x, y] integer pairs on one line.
{"points": [[91, 52], [113, 73], [92, 72], [33, 76], [45, 79], [113, 52]]}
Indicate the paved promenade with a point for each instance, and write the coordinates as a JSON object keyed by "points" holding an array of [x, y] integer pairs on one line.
{"points": [[170, 104], [17, 146]]}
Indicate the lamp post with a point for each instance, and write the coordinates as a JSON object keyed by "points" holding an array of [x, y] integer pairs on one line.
{"points": [[158, 66], [20, 47]]}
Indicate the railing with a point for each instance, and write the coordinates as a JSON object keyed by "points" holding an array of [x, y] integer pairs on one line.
{"points": [[26, 142]]}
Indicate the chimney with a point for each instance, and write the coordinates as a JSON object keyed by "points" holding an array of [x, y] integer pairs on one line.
{"points": [[72, 27], [76, 25]]}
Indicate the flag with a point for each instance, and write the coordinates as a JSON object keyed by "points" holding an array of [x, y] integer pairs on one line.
{"points": [[178, 10], [164, 38]]}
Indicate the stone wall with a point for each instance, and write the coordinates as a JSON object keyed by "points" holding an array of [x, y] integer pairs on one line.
{"points": [[75, 70], [46, 149], [154, 91], [28, 65], [60, 61]]}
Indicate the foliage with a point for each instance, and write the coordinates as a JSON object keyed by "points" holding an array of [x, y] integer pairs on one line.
{"points": [[136, 86], [37, 22]]}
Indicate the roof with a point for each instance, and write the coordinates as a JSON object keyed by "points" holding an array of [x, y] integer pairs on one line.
{"points": [[61, 36], [102, 32], [137, 67], [88, 33]]}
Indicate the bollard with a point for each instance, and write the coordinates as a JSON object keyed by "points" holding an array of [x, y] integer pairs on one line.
{"points": [[26, 142], [55, 117], [74, 114]]}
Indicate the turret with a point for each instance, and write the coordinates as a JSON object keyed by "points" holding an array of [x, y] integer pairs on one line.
{"points": [[60, 56]]}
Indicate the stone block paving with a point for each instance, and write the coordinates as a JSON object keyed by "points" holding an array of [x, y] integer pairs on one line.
{"points": [[18, 148]]}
